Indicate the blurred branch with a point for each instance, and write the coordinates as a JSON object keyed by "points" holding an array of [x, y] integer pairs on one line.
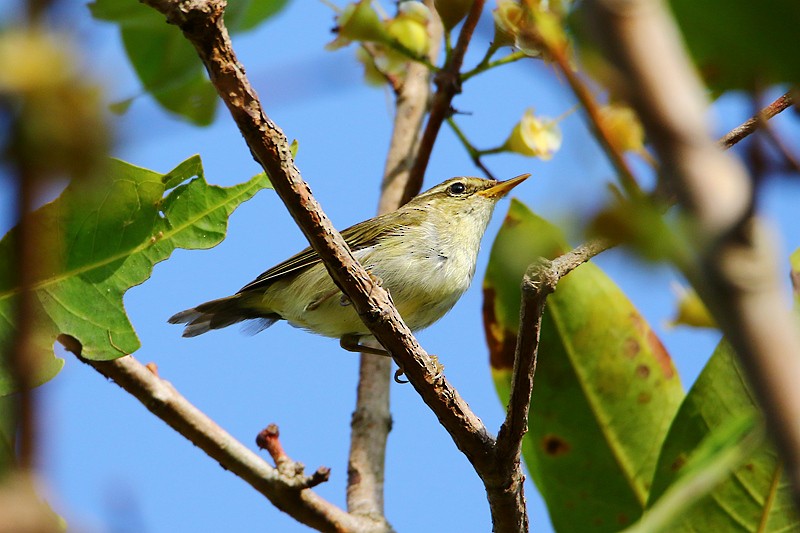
{"points": [[740, 132], [789, 158], [372, 419], [735, 271], [538, 283], [448, 83], [22, 357], [558, 55], [288, 493]]}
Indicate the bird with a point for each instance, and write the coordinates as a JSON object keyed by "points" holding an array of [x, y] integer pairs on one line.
{"points": [[424, 254]]}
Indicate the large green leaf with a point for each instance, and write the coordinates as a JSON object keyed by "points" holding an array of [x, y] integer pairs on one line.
{"points": [[105, 238], [741, 44], [720, 453], [165, 61], [756, 497], [605, 389]]}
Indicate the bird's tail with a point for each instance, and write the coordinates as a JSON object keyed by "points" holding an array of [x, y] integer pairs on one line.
{"points": [[221, 313]]}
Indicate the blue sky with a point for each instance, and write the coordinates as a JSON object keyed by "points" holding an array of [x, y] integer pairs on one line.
{"points": [[109, 465]]}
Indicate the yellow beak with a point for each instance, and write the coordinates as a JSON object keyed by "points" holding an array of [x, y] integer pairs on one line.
{"points": [[504, 187]]}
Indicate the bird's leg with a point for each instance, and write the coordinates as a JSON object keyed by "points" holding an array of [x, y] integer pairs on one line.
{"points": [[350, 343]]}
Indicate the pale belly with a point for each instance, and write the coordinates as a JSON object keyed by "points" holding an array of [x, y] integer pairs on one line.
{"points": [[433, 284]]}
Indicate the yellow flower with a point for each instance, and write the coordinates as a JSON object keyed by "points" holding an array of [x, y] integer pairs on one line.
{"points": [[623, 127], [508, 16], [534, 137], [410, 28]]}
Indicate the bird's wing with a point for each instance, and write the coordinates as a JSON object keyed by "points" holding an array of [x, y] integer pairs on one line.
{"points": [[362, 235]]}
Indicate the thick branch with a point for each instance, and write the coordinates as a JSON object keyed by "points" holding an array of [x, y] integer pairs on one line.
{"points": [[448, 82], [287, 493], [736, 271], [202, 24]]}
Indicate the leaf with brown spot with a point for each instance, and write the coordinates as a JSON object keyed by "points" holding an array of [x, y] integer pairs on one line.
{"points": [[597, 421]]}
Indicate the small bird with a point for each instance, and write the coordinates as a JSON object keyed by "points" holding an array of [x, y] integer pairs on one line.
{"points": [[424, 254]]}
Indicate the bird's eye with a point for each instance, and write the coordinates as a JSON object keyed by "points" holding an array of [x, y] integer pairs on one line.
{"points": [[457, 188]]}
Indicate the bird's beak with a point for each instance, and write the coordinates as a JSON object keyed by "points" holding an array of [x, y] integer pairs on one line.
{"points": [[503, 187]]}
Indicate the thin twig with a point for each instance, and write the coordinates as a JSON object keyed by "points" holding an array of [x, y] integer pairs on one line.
{"points": [[740, 132], [269, 439], [539, 282], [288, 493], [474, 153], [448, 82], [487, 65], [592, 110]]}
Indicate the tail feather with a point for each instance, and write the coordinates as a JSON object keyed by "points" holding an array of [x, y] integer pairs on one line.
{"points": [[218, 314]]}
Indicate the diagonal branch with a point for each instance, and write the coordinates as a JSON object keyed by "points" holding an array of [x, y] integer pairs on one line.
{"points": [[740, 132], [288, 493], [202, 24]]}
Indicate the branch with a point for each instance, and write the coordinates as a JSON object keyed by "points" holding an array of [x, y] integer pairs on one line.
{"points": [[539, 282], [740, 132], [372, 419], [448, 83], [735, 269], [287, 492], [202, 24], [592, 110]]}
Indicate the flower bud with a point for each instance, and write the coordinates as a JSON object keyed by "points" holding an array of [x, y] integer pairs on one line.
{"points": [[534, 137], [358, 22], [410, 27], [508, 18]]}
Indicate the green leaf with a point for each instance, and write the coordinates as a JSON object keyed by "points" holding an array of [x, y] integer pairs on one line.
{"points": [[605, 389], [741, 44], [720, 453], [105, 238], [165, 62], [756, 497]]}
